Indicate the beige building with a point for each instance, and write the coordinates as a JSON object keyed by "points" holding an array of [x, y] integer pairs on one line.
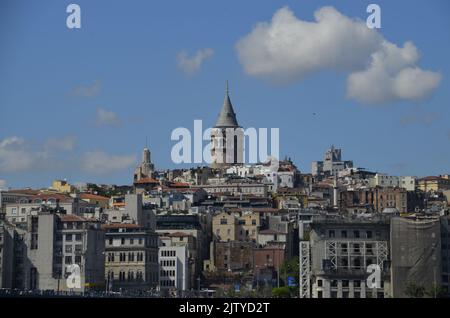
{"points": [[99, 200], [235, 226], [62, 186], [131, 257], [433, 183]]}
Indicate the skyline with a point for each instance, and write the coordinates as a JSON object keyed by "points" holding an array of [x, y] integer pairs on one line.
{"points": [[80, 104]]}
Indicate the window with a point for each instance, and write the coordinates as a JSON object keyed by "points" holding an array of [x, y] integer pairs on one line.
{"points": [[24, 210], [253, 222], [345, 283], [68, 248], [334, 283], [223, 221], [319, 294], [77, 237], [369, 234], [68, 260], [344, 234], [14, 210], [122, 241], [110, 241], [356, 283], [356, 234], [319, 283], [333, 294], [357, 295], [69, 237], [131, 241], [140, 241], [78, 259]]}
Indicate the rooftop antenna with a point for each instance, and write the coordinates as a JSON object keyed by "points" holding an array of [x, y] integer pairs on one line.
{"points": [[227, 90], [146, 142]]}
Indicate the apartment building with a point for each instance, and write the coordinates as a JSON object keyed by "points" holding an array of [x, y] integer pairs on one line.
{"points": [[59, 246], [174, 273], [131, 257], [339, 251]]}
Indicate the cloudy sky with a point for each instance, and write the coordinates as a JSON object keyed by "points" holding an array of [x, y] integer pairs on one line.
{"points": [[79, 104]]}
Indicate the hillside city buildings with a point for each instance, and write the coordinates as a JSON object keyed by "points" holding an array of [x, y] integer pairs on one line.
{"points": [[232, 228]]}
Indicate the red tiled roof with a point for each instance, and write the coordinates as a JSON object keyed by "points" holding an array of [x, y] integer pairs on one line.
{"points": [[91, 196], [146, 180], [179, 185], [431, 178]]}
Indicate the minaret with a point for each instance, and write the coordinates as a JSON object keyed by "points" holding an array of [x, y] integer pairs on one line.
{"points": [[226, 137]]}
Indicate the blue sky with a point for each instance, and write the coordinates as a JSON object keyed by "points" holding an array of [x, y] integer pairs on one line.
{"points": [[79, 104]]}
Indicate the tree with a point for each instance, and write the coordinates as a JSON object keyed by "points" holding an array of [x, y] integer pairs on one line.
{"points": [[281, 292], [435, 291], [290, 268], [414, 290]]}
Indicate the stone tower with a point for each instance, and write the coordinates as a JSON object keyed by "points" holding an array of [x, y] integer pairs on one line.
{"points": [[227, 137], [145, 169]]}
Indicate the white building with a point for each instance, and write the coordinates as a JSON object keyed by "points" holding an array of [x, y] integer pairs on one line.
{"points": [[173, 268], [384, 180]]}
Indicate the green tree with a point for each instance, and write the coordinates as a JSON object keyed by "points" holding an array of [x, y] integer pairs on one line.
{"points": [[435, 291], [290, 268], [281, 292], [414, 290]]}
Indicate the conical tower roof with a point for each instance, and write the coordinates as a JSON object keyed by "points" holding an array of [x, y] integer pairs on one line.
{"points": [[227, 116]]}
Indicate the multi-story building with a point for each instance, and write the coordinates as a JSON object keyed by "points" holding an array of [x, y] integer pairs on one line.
{"points": [[62, 186], [6, 255], [377, 198], [331, 165], [416, 254], [196, 225], [59, 246], [335, 259], [174, 273], [235, 226], [18, 212], [131, 257], [242, 188], [383, 180], [434, 183]]}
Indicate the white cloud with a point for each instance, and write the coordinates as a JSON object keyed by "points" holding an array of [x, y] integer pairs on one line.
{"points": [[16, 154], [106, 118], [191, 65], [392, 75], [287, 49], [60, 144], [89, 90], [2, 184], [99, 162]]}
